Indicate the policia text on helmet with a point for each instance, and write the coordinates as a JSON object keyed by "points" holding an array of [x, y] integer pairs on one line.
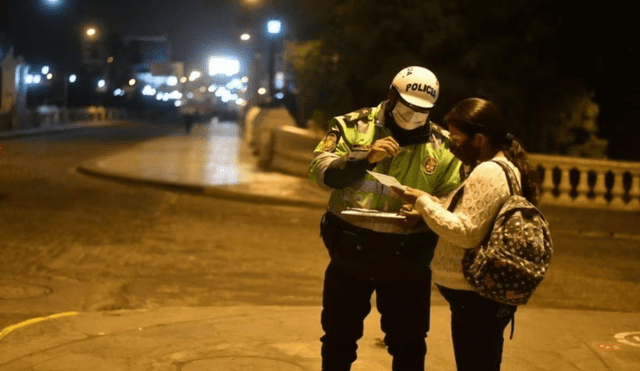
{"points": [[412, 94]]}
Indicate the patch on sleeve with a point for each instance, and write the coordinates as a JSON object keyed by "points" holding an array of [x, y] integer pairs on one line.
{"points": [[357, 115], [430, 165], [330, 141]]}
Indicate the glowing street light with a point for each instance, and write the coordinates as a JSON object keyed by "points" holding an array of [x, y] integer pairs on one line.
{"points": [[274, 27], [132, 82], [52, 3], [101, 83], [91, 32], [73, 78], [245, 37]]}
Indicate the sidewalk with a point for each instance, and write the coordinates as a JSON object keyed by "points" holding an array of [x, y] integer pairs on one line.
{"points": [[213, 161]]}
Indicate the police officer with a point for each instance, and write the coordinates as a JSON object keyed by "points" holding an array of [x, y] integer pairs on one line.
{"points": [[379, 251]]}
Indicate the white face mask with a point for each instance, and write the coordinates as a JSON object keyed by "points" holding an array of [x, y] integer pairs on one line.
{"points": [[407, 118]]}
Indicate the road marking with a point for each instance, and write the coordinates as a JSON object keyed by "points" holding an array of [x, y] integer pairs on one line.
{"points": [[630, 338], [606, 347], [31, 321]]}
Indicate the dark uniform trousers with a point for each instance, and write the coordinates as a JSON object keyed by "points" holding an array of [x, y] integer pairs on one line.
{"points": [[396, 267]]}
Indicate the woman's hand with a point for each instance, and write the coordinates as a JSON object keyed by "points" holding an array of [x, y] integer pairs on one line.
{"points": [[412, 216], [409, 194]]}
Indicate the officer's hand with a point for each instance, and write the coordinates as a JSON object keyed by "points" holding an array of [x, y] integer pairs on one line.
{"points": [[412, 216], [383, 148]]}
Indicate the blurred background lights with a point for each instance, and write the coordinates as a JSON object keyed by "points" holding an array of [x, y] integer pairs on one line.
{"points": [[279, 95], [194, 75], [91, 31], [118, 93], [223, 66], [132, 82], [172, 81], [183, 79], [101, 83], [49, 76], [73, 78], [211, 88], [245, 37], [279, 81], [234, 84], [148, 90], [274, 26], [262, 91], [45, 70]]}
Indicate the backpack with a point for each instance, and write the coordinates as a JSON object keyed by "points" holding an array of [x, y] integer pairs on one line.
{"points": [[515, 256]]}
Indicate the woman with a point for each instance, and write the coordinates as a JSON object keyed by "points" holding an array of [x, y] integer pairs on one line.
{"points": [[478, 138]]}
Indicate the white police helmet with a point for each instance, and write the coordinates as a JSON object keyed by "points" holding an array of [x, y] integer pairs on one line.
{"points": [[417, 86]]}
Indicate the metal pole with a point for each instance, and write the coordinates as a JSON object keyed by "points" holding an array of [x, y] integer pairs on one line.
{"points": [[65, 117], [271, 67]]}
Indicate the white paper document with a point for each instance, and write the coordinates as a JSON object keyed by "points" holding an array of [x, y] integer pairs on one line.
{"points": [[386, 180]]}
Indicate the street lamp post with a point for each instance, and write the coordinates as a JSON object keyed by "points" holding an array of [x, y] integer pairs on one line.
{"points": [[274, 28]]}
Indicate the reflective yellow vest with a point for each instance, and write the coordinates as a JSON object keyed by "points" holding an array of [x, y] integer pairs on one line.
{"points": [[426, 166]]}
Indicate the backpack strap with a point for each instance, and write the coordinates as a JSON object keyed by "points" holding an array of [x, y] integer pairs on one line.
{"points": [[511, 180], [456, 197], [514, 187]]}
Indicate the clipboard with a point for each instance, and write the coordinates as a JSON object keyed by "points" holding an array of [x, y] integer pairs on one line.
{"points": [[366, 213]]}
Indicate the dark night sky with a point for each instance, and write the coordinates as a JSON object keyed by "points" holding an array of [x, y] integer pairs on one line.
{"points": [[599, 43], [195, 27]]}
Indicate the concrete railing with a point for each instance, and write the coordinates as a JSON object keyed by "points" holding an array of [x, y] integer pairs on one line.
{"points": [[566, 181], [589, 183]]}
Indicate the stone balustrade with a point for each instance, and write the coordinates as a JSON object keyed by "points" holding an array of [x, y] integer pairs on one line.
{"points": [[588, 183], [566, 181]]}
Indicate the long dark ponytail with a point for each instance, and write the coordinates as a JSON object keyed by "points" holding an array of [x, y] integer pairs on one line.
{"points": [[476, 115]]}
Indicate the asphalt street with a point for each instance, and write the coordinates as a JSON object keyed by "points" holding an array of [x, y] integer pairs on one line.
{"points": [[182, 255]]}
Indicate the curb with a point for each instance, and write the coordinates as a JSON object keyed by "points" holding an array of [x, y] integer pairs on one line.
{"points": [[225, 192], [54, 130]]}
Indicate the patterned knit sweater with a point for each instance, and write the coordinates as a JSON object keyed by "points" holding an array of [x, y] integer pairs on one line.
{"points": [[485, 191]]}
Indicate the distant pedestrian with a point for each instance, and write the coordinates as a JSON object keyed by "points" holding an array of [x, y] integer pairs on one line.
{"points": [[370, 248], [188, 116], [479, 136]]}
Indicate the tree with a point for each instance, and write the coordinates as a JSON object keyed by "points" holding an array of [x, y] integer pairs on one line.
{"points": [[506, 51]]}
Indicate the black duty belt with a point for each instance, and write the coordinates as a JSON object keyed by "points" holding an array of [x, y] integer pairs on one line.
{"points": [[377, 255]]}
